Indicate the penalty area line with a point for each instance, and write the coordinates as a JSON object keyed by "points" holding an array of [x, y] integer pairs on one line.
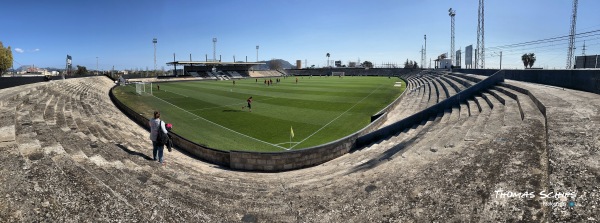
{"points": [[240, 103], [209, 121], [318, 130]]}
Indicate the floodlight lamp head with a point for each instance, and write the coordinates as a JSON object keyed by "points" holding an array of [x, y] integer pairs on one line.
{"points": [[214, 40], [154, 40], [257, 47]]}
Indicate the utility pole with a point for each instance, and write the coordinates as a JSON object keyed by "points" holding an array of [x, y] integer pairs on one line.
{"points": [[572, 36], [425, 52], [500, 60], [583, 51], [422, 58], [97, 65]]}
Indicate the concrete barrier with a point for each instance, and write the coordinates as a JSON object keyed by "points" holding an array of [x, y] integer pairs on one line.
{"points": [[417, 118], [8, 82], [352, 71], [583, 80]]}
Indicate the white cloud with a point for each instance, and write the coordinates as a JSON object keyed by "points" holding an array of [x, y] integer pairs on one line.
{"points": [[19, 50], [36, 50]]}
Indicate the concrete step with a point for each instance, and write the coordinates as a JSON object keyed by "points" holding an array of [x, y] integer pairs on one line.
{"points": [[473, 107], [443, 90], [477, 131], [496, 120], [453, 84], [451, 90], [528, 108], [512, 114], [438, 94]]}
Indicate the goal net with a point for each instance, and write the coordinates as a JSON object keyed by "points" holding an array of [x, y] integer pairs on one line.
{"points": [[143, 88], [341, 74]]}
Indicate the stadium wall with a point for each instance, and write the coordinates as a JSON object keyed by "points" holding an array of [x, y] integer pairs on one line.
{"points": [[8, 82], [583, 80], [432, 111], [350, 71]]}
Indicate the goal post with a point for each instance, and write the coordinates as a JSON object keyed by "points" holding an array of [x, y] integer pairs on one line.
{"points": [[143, 88], [337, 73]]}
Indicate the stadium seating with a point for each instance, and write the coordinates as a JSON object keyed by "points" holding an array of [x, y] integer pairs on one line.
{"points": [[264, 73], [68, 154]]}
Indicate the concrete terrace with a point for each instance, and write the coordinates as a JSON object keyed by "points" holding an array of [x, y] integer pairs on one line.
{"points": [[69, 155]]}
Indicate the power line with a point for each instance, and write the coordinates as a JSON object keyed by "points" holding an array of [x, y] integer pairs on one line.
{"points": [[547, 40]]}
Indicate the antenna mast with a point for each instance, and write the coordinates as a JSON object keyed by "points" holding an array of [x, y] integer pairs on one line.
{"points": [[480, 53], [572, 36]]}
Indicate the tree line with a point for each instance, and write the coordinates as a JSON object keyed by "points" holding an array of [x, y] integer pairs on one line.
{"points": [[6, 58]]}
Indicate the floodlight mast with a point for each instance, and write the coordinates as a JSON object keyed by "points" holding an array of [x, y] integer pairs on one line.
{"points": [[214, 49], [154, 41], [256, 53], [451, 13]]}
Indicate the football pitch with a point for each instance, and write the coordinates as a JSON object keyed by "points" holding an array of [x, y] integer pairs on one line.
{"points": [[317, 109]]}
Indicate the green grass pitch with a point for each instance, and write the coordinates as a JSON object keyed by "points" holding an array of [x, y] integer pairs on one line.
{"points": [[319, 109]]}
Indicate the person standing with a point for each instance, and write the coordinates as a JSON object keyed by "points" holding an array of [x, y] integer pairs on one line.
{"points": [[157, 147]]}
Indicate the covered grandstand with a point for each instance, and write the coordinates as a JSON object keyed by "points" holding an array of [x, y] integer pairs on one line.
{"points": [[215, 69]]}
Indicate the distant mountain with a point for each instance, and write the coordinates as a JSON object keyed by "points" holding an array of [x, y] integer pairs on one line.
{"points": [[272, 63], [25, 67]]}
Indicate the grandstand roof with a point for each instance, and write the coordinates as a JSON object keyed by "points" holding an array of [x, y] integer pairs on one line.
{"points": [[217, 63]]}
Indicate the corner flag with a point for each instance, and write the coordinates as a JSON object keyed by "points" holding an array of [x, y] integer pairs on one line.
{"points": [[291, 136]]}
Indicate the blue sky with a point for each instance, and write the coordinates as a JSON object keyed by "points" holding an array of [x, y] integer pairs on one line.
{"points": [[120, 33]]}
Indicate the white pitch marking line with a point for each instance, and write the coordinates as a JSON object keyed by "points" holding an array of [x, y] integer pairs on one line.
{"points": [[220, 125], [287, 143], [336, 118], [241, 103], [176, 93]]}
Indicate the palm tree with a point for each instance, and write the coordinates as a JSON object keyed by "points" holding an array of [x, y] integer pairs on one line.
{"points": [[328, 55], [531, 59], [525, 59]]}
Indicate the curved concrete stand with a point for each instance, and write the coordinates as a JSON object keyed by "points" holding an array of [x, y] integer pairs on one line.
{"points": [[434, 110]]}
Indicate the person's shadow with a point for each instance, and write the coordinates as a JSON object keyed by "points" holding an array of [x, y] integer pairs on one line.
{"points": [[231, 110], [124, 148]]}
